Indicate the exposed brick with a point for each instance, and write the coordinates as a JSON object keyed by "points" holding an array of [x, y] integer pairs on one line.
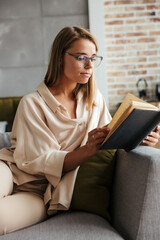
{"points": [[132, 85], [135, 21], [135, 47], [135, 8], [155, 33], [123, 67], [157, 46], [133, 25], [154, 71], [147, 27], [108, 16], [142, 14], [147, 53], [114, 35], [152, 7], [147, 39], [154, 59], [108, 2], [155, 19], [115, 74], [119, 15], [119, 2], [124, 92], [116, 85], [136, 60], [153, 65], [137, 72], [114, 48], [136, 34], [146, 1], [127, 79], [124, 41], [114, 22], [123, 15], [151, 78], [123, 28], [114, 9]]}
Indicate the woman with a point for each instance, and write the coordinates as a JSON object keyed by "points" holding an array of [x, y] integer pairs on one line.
{"points": [[55, 130]]}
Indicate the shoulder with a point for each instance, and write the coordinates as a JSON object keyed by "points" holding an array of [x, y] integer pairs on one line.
{"points": [[30, 103], [31, 99]]}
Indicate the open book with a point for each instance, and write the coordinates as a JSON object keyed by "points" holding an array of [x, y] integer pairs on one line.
{"points": [[132, 122]]}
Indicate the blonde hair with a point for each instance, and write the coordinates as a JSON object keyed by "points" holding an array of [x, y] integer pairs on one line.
{"points": [[63, 41]]}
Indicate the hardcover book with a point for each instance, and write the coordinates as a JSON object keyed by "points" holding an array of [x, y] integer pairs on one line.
{"points": [[132, 122]]}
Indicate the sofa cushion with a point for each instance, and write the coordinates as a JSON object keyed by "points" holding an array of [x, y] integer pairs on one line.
{"points": [[8, 107], [68, 226], [3, 125], [5, 140], [93, 184]]}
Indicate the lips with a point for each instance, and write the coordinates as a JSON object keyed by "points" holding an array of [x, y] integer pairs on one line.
{"points": [[86, 74]]}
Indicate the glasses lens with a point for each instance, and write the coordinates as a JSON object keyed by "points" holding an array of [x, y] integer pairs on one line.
{"points": [[84, 59], [97, 61]]}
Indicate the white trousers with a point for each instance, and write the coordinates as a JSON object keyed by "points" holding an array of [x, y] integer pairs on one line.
{"points": [[17, 210]]}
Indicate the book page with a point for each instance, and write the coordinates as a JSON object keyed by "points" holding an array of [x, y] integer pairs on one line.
{"points": [[143, 105], [129, 103]]}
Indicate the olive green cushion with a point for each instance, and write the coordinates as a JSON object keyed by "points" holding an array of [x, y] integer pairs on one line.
{"points": [[8, 107], [93, 184]]}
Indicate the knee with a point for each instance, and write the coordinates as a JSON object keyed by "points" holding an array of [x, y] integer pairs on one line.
{"points": [[6, 180]]}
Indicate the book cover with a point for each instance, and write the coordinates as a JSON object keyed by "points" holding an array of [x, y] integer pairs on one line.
{"points": [[132, 122]]}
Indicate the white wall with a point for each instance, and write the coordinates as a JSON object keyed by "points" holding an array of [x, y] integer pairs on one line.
{"points": [[27, 29], [96, 25]]}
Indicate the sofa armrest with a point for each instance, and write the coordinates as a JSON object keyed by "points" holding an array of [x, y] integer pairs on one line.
{"points": [[136, 194]]}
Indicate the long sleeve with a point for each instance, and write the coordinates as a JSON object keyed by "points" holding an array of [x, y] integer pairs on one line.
{"points": [[37, 151]]}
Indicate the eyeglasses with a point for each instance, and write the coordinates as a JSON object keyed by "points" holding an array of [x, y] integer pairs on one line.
{"points": [[96, 60]]}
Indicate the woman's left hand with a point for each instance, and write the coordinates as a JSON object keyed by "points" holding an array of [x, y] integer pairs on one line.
{"points": [[152, 139]]}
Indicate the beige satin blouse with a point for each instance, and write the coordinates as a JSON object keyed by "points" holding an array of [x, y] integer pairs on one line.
{"points": [[42, 135]]}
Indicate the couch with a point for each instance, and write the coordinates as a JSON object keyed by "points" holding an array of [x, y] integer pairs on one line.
{"points": [[134, 204], [8, 107]]}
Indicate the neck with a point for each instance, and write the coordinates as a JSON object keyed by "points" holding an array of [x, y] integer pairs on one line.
{"points": [[63, 90]]}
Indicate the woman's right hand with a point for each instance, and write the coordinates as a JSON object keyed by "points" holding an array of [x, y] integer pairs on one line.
{"points": [[96, 138], [76, 158]]}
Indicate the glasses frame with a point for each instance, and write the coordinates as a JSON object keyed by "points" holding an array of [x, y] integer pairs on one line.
{"points": [[89, 58]]}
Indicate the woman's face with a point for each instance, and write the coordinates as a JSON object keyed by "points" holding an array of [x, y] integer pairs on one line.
{"points": [[76, 71]]}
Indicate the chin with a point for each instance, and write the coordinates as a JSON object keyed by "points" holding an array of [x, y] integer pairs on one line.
{"points": [[83, 81]]}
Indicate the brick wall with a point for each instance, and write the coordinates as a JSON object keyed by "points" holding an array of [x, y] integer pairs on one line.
{"points": [[132, 31]]}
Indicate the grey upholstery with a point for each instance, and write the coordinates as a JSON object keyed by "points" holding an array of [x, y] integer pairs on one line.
{"points": [[5, 139], [135, 205], [68, 226], [136, 202]]}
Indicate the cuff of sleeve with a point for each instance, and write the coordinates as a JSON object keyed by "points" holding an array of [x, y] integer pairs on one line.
{"points": [[54, 167]]}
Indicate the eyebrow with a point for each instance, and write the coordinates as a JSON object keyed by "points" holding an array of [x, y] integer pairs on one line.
{"points": [[82, 53]]}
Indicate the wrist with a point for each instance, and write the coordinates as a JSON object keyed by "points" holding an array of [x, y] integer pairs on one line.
{"points": [[90, 150]]}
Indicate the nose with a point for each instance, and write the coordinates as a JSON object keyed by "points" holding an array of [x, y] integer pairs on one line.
{"points": [[89, 64]]}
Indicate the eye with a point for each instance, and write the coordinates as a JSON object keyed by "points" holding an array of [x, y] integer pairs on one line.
{"points": [[83, 58], [93, 59]]}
